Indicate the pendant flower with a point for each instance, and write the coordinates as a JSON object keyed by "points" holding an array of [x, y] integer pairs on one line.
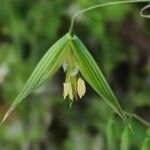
{"points": [[74, 85], [72, 89], [78, 65]]}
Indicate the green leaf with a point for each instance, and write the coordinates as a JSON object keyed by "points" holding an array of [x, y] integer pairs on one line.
{"points": [[125, 139], [46, 68], [146, 144], [93, 75], [110, 135]]}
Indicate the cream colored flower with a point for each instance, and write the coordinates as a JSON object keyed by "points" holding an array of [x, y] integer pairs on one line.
{"points": [[81, 87], [68, 90]]}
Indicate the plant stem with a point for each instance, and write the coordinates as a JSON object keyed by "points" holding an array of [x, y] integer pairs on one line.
{"points": [[146, 123], [109, 4]]}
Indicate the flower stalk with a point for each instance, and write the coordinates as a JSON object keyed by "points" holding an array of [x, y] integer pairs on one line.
{"points": [[109, 4]]}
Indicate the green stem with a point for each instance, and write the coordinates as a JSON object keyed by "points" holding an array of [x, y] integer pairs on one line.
{"points": [[109, 4], [146, 123]]}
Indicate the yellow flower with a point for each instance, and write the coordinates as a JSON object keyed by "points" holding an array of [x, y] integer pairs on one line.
{"points": [[81, 87], [68, 90]]}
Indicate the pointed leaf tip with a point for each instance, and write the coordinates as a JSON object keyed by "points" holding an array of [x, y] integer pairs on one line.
{"points": [[46, 68], [94, 76]]}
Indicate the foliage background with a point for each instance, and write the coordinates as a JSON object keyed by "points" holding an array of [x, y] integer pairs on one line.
{"points": [[119, 41]]}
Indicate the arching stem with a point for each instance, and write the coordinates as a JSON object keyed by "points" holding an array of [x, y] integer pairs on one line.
{"points": [[109, 4], [146, 123]]}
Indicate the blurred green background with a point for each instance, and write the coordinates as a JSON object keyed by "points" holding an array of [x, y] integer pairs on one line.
{"points": [[119, 40]]}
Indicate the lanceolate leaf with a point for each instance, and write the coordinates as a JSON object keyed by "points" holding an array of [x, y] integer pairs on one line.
{"points": [[124, 145], [45, 69], [111, 144], [93, 75]]}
